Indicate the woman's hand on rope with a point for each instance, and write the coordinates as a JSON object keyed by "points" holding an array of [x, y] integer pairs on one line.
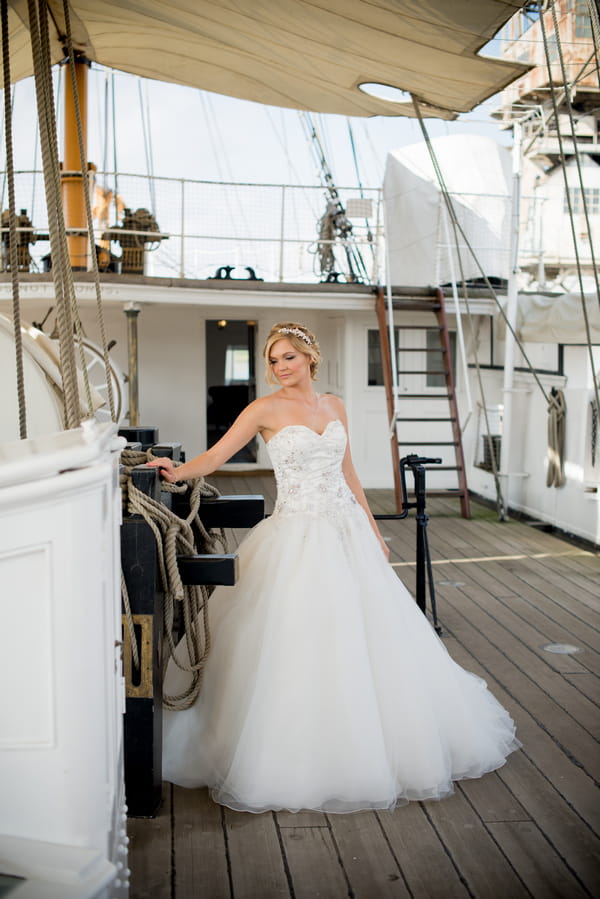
{"points": [[166, 469]]}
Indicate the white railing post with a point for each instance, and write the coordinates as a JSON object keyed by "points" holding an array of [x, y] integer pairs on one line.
{"points": [[282, 233], [182, 236]]}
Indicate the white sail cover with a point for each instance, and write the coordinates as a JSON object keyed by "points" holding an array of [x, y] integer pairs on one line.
{"points": [[292, 53], [546, 318], [421, 242]]}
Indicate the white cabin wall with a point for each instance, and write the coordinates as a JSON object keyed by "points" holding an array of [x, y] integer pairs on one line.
{"points": [[366, 409]]}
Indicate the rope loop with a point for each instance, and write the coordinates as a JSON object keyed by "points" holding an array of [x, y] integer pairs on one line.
{"points": [[175, 536]]}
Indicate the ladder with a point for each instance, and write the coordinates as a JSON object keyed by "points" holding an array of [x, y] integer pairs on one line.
{"points": [[431, 302]]}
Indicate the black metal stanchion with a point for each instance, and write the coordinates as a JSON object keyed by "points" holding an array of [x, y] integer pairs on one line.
{"points": [[424, 570]]}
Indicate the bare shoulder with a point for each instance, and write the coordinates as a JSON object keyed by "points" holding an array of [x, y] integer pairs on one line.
{"points": [[335, 405], [264, 410]]}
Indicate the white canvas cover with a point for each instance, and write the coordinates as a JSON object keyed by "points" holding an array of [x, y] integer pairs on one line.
{"points": [[544, 318], [292, 53], [477, 172]]}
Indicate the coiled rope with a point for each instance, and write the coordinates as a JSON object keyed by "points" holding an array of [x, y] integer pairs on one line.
{"points": [[557, 412], [175, 536]]}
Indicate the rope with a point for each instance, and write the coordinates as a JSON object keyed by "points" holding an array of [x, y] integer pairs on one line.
{"points": [[12, 237], [500, 502], [595, 17], [557, 411], [175, 536], [61, 271], [458, 228], [568, 193], [89, 217]]}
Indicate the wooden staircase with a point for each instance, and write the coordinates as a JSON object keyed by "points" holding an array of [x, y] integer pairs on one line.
{"points": [[408, 438]]}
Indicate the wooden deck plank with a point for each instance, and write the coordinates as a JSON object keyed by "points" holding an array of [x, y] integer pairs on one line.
{"points": [[492, 800], [313, 863], [200, 851], [586, 684], [150, 853], [536, 862], [574, 843], [539, 776], [301, 819], [427, 868], [487, 872], [368, 861], [257, 865], [502, 583], [521, 698], [543, 692], [527, 654]]}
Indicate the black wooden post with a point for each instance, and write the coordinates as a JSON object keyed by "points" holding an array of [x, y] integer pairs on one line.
{"points": [[143, 704]]}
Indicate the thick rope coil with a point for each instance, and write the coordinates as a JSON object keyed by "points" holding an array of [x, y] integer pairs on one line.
{"points": [[557, 413], [175, 536], [12, 240]]}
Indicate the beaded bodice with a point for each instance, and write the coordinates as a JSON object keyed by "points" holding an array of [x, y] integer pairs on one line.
{"points": [[308, 471]]}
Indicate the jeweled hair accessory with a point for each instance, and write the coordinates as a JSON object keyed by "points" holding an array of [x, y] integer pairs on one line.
{"points": [[297, 333]]}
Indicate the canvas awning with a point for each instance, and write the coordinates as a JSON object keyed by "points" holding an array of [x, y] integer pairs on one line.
{"points": [[293, 53]]}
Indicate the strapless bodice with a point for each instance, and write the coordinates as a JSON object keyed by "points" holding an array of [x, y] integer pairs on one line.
{"points": [[308, 471]]}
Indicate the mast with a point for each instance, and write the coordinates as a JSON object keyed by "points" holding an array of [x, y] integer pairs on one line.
{"points": [[73, 181]]}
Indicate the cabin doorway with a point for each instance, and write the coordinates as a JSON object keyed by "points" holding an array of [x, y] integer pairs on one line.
{"points": [[230, 379]]}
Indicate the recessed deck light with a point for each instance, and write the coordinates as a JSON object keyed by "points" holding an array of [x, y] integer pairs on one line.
{"points": [[565, 649]]}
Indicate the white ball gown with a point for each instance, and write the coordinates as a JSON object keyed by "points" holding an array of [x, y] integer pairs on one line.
{"points": [[326, 687]]}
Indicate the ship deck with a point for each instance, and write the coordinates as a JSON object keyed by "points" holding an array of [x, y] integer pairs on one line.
{"points": [[505, 591]]}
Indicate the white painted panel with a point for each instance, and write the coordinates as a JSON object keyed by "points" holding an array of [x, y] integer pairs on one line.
{"points": [[26, 702]]}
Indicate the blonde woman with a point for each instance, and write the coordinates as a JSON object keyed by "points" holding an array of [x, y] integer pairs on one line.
{"points": [[326, 687]]}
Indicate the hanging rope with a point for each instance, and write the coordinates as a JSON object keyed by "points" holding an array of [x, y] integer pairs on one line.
{"points": [[89, 216], [595, 17], [61, 270], [500, 502], [574, 141], [12, 230], [568, 192], [557, 412], [175, 536]]}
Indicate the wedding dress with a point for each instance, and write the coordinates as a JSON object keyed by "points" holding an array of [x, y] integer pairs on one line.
{"points": [[326, 687]]}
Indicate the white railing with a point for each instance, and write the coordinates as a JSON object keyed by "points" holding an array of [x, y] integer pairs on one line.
{"points": [[203, 226]]}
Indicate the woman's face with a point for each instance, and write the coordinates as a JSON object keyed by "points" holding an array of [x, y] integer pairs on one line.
{"points": [[289, 366]]}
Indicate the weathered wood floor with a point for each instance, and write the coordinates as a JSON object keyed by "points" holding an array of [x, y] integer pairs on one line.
{"points": [[505, 591]]}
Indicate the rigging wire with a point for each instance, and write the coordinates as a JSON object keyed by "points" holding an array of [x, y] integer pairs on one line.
{"points": [[595, 17], [575, 148], [359, 181], [145, 117], [458, 229], [115, 161], [337, 212], [12, 109], [90, 224], [568, 193], [220, 155]]}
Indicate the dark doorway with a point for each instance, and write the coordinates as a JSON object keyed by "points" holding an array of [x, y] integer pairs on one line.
{"points": [[230, 379]]}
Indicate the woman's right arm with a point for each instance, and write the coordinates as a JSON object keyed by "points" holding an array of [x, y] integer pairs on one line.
{"points": [[245, 427]]}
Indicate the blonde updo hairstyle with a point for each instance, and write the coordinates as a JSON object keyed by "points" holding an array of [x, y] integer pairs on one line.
{"points": [[307, 345]]}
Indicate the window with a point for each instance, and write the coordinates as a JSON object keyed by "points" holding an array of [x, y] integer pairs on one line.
{"points": [[592, 200], [374, 365], [583, 20], [237, 365], [435, 360]]}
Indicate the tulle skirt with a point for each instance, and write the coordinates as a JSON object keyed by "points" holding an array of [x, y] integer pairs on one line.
{"points": [[326, 687]]}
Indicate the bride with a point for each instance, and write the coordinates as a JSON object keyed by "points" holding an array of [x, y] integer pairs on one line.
{"points": [[326, 687]]}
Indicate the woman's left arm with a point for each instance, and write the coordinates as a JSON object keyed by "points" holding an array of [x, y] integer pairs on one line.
{"points": [[354, 483]]}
